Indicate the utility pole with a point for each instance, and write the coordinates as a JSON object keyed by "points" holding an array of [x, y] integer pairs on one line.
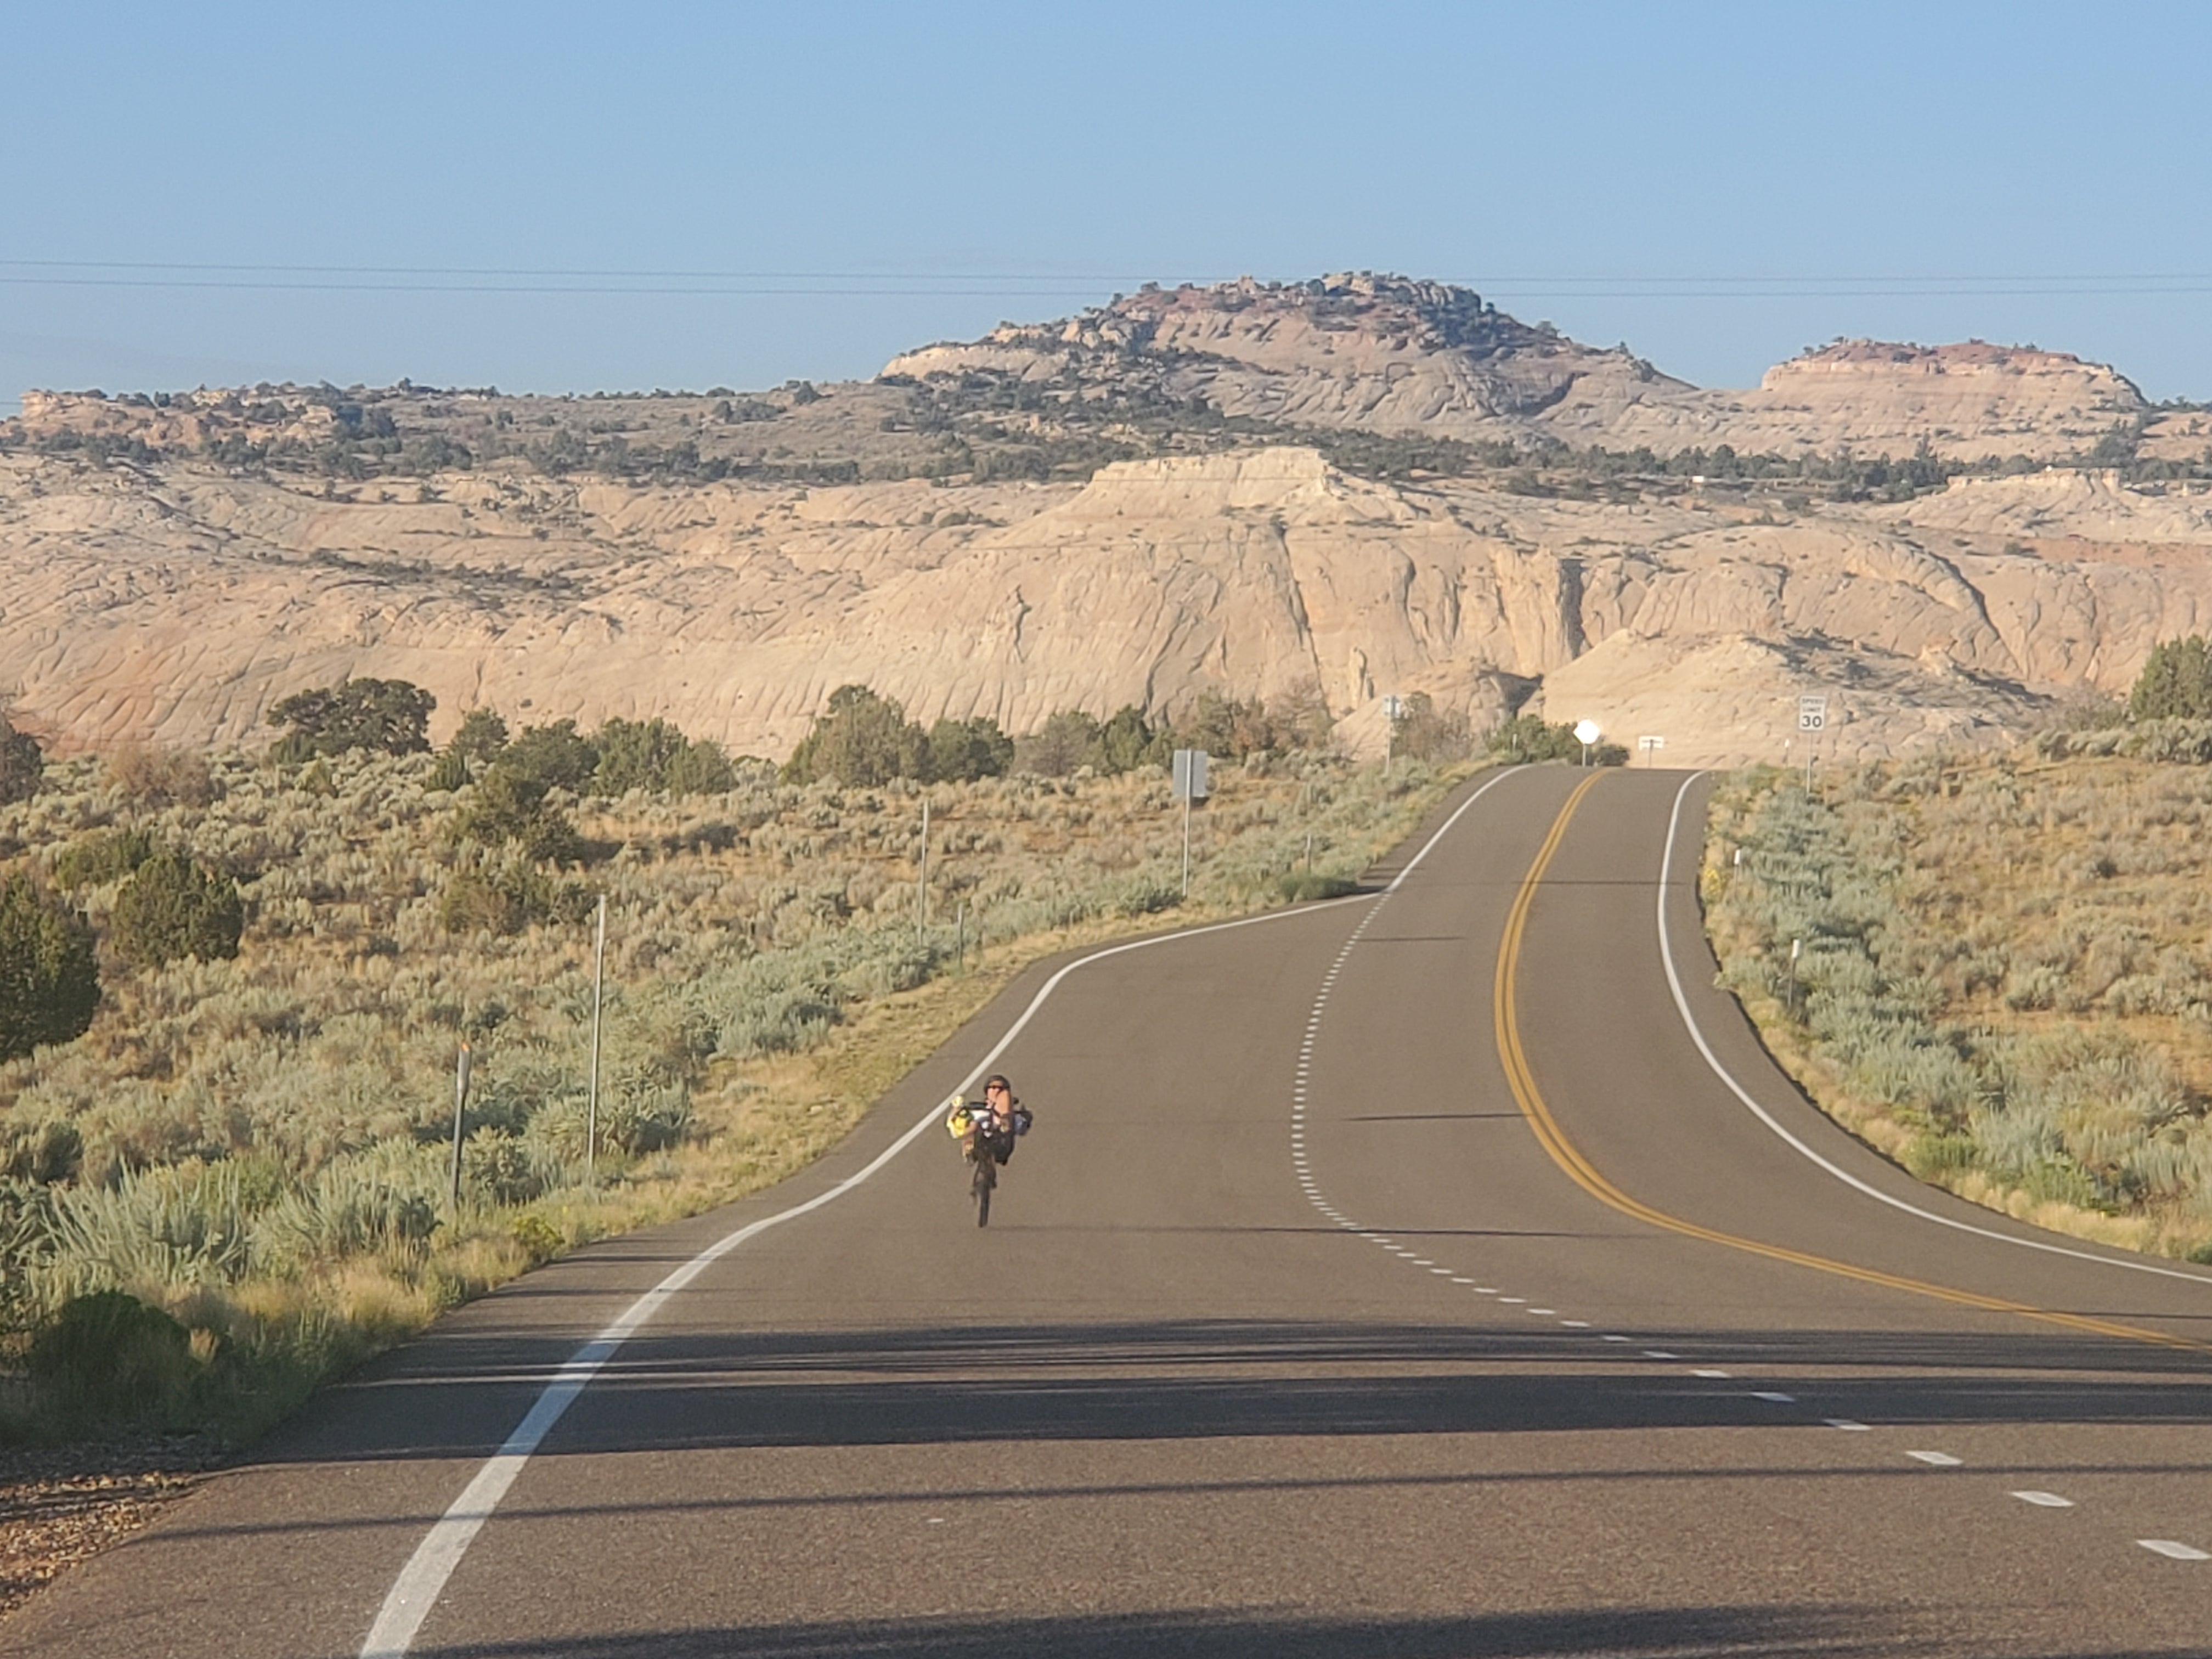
{"points": [[592, 1097], [460, 1101]]}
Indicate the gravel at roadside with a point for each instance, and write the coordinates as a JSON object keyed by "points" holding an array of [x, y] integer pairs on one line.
{"points": [[63, 1505]]}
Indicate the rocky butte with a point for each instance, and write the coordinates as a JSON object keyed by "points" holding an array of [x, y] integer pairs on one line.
{"points": [[1367, 484]]}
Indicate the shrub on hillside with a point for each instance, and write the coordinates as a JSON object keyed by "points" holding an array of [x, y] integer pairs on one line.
{"points": [[654, 754], [387, 717], [49, 974], [2176, 682], [1067, 740], [506, 895], [103, 856], [512, 807], [859, 738], [173, 907], [556, 755], [154, 778], [22, 763], [1424, 731], [960, 752]]}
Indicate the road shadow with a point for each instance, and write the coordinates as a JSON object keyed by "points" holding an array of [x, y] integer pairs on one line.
{"points": [[674, 1389], [1829, 1632]]}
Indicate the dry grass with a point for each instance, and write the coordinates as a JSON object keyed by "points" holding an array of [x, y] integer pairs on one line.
{"points": [[264, 1140], [2007, 979]]}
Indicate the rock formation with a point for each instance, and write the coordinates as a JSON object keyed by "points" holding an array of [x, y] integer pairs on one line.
{"points": [[959, 535]]}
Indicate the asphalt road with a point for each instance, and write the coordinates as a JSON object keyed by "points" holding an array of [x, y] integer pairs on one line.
{"points": [[1338, 1305]]}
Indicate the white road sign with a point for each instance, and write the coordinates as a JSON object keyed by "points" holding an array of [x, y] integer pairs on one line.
{"points": [[1812, 713], [1190, 774], [1587, 731]]}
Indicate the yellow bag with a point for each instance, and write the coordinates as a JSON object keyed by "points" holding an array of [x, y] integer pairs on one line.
{"points": [[955, 1120]]}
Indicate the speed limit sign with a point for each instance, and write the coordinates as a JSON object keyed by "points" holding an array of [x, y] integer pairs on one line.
{"points": [[1812, 713]]}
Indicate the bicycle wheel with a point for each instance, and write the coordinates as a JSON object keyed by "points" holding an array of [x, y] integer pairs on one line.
{"points": [[986, 1177]]}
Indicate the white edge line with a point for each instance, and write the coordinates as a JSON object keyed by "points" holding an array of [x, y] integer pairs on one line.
{"points": [[420, 1581], [1696, 1035], [1444, 829]]}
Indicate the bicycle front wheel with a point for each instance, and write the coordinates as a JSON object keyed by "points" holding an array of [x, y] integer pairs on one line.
{"points": [[986, 1177]]}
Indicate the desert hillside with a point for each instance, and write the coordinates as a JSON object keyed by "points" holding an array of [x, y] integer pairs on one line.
{"points": [[1368, 484]]}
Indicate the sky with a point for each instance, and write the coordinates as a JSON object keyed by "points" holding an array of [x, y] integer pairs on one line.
{"points": [[474, 194]]}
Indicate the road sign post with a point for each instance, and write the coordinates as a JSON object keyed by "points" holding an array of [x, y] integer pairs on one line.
{"points": [[1650, 746], [1587, 731], [1393, 710], [1189, 775], [1812, 720]]}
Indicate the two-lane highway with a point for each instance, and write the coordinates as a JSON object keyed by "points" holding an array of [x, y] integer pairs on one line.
{"points": [[1396, 1277]]}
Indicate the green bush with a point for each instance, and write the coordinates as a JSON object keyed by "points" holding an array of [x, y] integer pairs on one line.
{"points": [[859, 738], [48, 974], [510, 807], [481, 737], [1304, 885], [1067, 740], [103, 856], [556, 756], [960, 752], [172, 907], [2176, 682], [109, 1355], [22, 763], [506, 895], [654, 754], [388, 717]]}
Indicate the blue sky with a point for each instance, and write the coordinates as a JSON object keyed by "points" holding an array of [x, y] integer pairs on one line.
{"points": [[1720, 185]]}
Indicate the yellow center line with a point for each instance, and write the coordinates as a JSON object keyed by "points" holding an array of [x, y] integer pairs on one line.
{"points": [[1586, 1174]]}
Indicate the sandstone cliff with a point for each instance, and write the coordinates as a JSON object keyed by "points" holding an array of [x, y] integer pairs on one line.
{"points": [[1239, 489]]}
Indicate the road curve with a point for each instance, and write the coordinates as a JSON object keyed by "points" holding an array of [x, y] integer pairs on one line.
{"points": [[1394, 1277]]}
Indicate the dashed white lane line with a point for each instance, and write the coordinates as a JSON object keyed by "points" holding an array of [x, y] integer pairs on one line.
{"points": [[1575, 1324], [1462, 1281], [1939, 1460], [1711, 1376], [2044, 1500], [1611, 1337], [1774, 1399], [1548, 1313], [1849, 1426], [1660, 1353], [1514, 1301], [2174, 1551]]}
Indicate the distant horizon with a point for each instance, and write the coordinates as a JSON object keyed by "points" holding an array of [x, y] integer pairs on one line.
{"points": [[12, 406]]}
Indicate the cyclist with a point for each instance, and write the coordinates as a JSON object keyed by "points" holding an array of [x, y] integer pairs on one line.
{"points": [[989, 1126]]}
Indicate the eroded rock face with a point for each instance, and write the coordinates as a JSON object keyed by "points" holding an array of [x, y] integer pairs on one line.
{"points": [[1385, 354], [178, 602], [170, 566]]}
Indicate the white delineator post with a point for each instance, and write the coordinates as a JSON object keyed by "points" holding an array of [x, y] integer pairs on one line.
{"points": [[591, 1094], [460, 1102]]}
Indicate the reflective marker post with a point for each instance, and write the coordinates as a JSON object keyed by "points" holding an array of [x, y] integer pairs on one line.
{"points": [[591, 1095], [460, 1101]]}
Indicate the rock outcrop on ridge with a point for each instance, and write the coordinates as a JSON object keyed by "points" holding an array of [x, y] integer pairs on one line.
{"points": [[1248, 490]]}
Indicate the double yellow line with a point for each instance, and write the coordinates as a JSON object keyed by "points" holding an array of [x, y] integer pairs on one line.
{"points": [[1586, 1174]]}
